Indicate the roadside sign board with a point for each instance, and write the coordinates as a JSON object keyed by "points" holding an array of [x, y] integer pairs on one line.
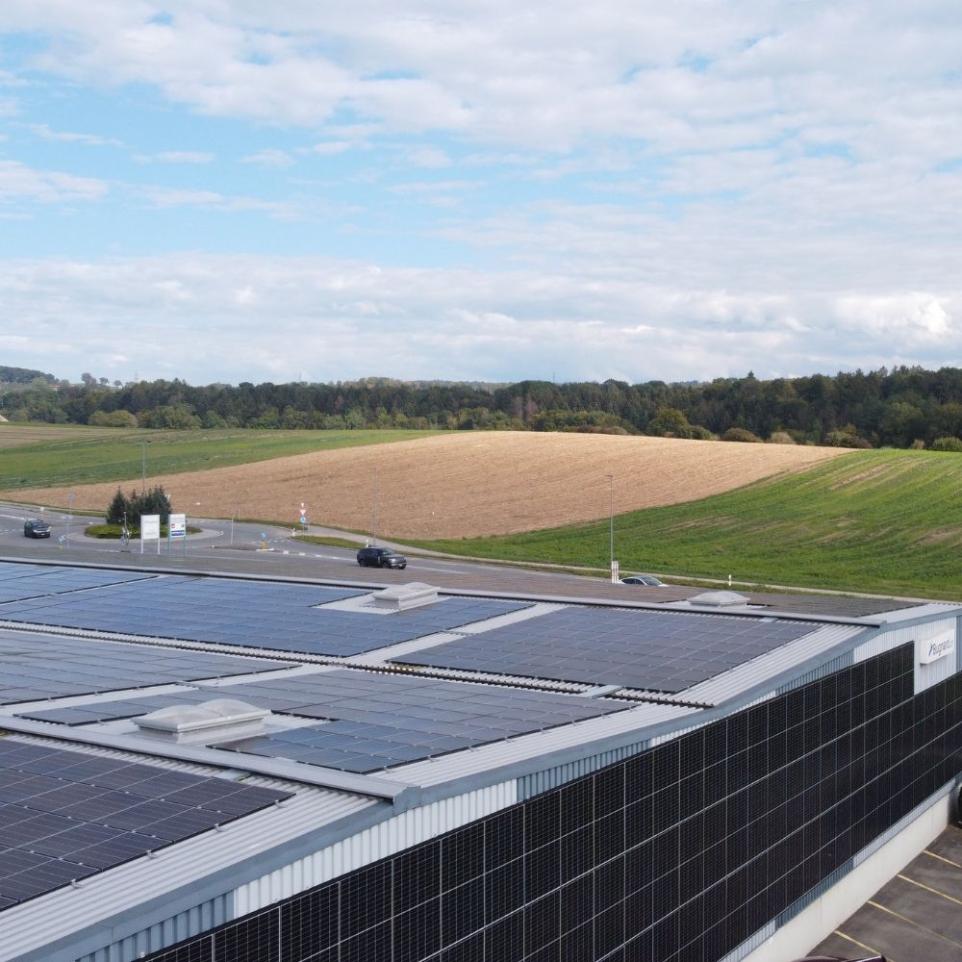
{"points": [[178, 526], [149, 530], [149, 527]]}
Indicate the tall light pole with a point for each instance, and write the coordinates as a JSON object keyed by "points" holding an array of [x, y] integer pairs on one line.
{"points": [[377, 496], [611, 524], [143, 466]]}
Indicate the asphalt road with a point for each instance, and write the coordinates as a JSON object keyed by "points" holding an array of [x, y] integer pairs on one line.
{"points": [[271, 550]]}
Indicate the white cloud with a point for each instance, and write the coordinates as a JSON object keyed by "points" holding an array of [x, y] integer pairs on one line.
{"points": [[45, 132], [213, 200], [176, 157], [20, 183], [344, 319], [330, 148], [431, 158], [269, 158]]}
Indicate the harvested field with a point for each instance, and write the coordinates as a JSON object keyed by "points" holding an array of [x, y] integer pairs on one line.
{"points": [[469, 484], [14, 435]]}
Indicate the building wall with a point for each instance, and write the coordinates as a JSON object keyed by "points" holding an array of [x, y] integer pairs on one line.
{"points": [[679, 854]]}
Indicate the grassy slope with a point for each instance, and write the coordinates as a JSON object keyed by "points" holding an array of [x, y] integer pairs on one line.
{"points": [[118, 456], [888, 521]]}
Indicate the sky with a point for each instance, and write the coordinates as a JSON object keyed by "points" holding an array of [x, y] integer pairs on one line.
{"points": [[233, 190]]}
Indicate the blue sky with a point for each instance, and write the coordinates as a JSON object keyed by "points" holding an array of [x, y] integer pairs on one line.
{"points": [[216, 190]]}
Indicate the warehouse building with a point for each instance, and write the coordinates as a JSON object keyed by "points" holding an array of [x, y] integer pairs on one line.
{"points": [[215, 769]]}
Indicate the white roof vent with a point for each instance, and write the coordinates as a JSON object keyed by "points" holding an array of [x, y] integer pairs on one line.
{"points": [[403, 597], [719, 599], [218, 720]]}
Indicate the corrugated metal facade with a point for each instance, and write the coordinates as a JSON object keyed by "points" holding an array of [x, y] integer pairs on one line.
{"points": [[386, 838], [199, 919], [925, 675]]}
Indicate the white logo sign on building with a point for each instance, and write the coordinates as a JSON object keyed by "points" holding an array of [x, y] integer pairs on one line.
{"points": [[150, 527], [178, 526], [936, 647]]}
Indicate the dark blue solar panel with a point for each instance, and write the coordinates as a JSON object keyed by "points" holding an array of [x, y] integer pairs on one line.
{"points": [[660, 651], [64, 815], [249, 613], [33, 668], [379, 720], [19, 582]]}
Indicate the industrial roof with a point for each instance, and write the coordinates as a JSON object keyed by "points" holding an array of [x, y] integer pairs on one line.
{"points": [[367, 710]]}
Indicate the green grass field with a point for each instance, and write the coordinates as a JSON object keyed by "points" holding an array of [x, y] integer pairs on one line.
{"points": [[116, 455], [880, 521]]}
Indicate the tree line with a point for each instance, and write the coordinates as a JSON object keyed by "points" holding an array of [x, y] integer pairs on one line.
{"points": [[901, 407]]}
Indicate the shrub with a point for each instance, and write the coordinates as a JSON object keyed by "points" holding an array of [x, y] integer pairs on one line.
{"points": [[780, 437], [740, 434], [947, 444], [154, 501], [118, 509], [917, 445], [843, 439], [113, 419]]}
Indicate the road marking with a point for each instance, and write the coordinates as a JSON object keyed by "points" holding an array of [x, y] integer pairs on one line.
{"points": [[942, 858], [928, 888], [861, 945], [905, 918]]}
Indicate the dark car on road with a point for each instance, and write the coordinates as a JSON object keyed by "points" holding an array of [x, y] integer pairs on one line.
{"points": [[647, 581], [36, 528], [381, 558]]}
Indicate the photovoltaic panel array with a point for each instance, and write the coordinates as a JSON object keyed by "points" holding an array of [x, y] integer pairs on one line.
{"points": [[651, 650], [33, 668], [66, 815], [380, 720], [102, 711], [255, 614], [22, 581]]}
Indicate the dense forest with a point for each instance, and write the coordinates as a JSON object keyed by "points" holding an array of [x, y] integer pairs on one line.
{"points": [[902, 407]]}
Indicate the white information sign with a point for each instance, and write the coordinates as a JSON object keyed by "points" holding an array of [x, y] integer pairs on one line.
{"points": [[149, 530], [178, 526], [149, 527], [939, 646]]}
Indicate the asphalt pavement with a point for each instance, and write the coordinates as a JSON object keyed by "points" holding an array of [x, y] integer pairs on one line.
{"points": [[252, 549]]}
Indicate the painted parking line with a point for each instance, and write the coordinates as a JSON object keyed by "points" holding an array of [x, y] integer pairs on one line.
{"points": [[942, 858], [904, 918], [928, 888], [862, 945]]}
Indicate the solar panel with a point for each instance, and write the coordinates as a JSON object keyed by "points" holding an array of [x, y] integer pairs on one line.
{"points": [[32, 668], [377, 721], [658, 651], [65, 815], [115, 710], [254, 614], [33, 581]]}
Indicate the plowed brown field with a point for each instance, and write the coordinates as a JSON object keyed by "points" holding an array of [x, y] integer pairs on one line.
{"points": [[467, 484]]}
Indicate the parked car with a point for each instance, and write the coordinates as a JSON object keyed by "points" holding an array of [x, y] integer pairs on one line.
{"points": [[381, 558], [646, 581], [36, 528]]}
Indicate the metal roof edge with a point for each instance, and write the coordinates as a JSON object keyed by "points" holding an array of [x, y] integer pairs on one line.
{"points": [[463, 592]]}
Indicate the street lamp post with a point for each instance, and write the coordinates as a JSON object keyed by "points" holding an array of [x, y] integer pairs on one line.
{"points": [[611, 527], [143, 466], [377, 497]]}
